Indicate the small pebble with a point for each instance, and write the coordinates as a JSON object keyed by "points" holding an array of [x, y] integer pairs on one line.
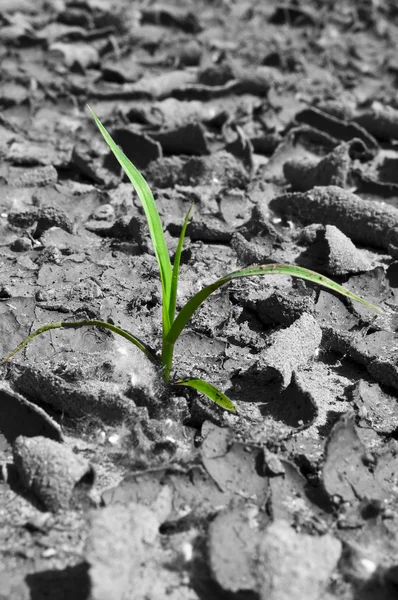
{"points": [[114, 439], [21, 245], [106, 212], [48, 553]]}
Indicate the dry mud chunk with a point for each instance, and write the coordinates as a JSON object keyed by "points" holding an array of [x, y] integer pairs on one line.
{"points": [[220, 167], [188, 139], [13, 586], [171, 17], [335, 127], [210, 230], [41, 176], [235, 207], [173, 113], [140, 148], [26, 153], [283, 306], [22, 244], [160, 86], [83, 55], [334, 253], [385, 368], [100, 399], [363, 221], [255, 240], [232, 465], [381, 121], [291, 348], [387, 171], [293, 14], [293, 565], [127, 560], [12, 94], [216, 74], [176, 496], [373, 346], [117, 549], [255, 251], [255, 82], [104, 212], [370, 560], [288, 500], [188, 53], [242, 148], [341, 109], [22, 218], [52, 216], [50, 470], [339, 325], [386, 470], [93, 168], [134, 229], [123, 70], [373, 187], [234, 570], [304, 174], [375, 408], [345, 472], [376, 285]]}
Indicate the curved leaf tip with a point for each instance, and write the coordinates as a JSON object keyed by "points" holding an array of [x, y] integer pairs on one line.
{"points": [[209, 390]]}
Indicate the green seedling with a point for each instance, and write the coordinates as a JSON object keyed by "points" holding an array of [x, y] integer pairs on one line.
{"points": [[173, 325]]}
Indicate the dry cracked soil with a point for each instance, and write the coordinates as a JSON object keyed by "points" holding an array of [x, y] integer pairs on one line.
{"points": [[279, 121]]}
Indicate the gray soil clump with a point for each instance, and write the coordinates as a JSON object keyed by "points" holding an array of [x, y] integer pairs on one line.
{"points": [[365, 222], [51, 471]]}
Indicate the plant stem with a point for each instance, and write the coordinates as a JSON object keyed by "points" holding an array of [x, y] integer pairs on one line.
{"points": [[167, 359]]}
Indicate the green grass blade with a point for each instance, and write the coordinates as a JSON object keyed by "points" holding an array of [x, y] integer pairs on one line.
{"points": [[155, 226], [75, 324], [176, 266], [168, 349], [210, 391], [292, 270]]}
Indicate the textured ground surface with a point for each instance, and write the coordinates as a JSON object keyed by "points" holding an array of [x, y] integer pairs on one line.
{"points": [[280, 122]]}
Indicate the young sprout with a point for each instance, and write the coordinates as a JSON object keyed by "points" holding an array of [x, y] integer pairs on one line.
{"points": [[173, 325]]}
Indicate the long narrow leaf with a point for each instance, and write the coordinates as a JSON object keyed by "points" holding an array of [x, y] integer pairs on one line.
{"points": [[292, 270], [176, 266], [210, 391], [155, 226], [75, 324]]}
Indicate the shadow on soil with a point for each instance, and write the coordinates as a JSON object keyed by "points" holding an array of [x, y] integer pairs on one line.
{"points": [[291, 406], [71, 583]]}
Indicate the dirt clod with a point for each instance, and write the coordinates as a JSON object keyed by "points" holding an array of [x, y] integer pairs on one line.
{"points": [[282, 570], [50, 470]]}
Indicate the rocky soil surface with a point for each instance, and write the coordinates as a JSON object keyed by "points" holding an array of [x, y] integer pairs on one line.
{"points": [[279, 121]]}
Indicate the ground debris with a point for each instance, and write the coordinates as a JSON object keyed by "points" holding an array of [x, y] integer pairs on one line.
{"points": [[304, 174], [288, 349], [233, 465], [282, 570], [238, 530], [361, 220], [347, 471], [51, 471], [117, 549], [333, 253], [375, 408]]}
